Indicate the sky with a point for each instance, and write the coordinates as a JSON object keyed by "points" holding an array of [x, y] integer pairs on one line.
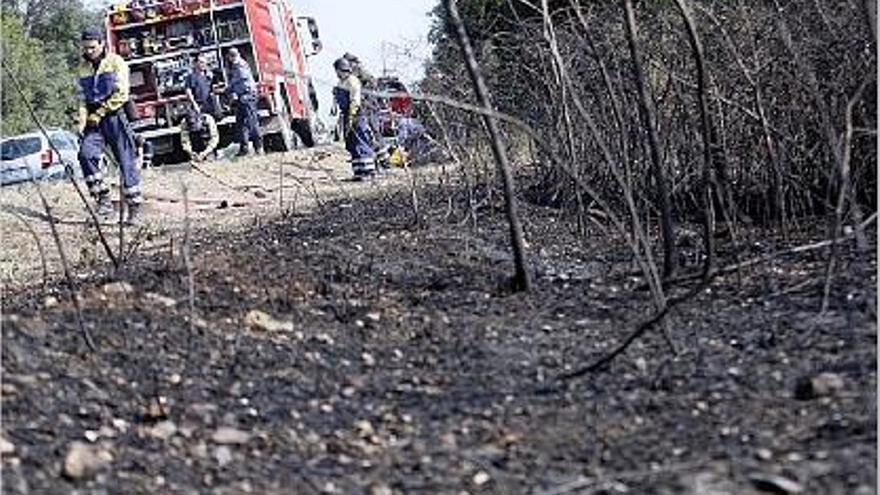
{"points": [[391, 31]]}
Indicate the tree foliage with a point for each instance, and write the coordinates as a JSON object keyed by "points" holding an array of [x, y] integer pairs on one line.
{"points": [[40, 46]]}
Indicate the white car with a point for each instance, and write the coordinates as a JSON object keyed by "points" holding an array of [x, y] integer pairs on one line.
{"points": [[29, 157]]}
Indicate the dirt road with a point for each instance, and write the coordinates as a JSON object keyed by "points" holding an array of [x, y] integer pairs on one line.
{"points": [[223, 196]]}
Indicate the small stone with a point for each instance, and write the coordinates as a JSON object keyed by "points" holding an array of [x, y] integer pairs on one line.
{"points": [[160, 300], [374, 316], [773, 483], [481, 478], [163, 430], [83, 460], [92, 436], [117, 288], [380, 489], [6, 447], [223, 455], [364, 428], [50, 302], [156, 410], [865, 490], [230, 436], [369, 360], [324, 339], [175, 379], [120, 424], [822, 385], [199, 450], [764, 454], [106, 432], [264, 321]]}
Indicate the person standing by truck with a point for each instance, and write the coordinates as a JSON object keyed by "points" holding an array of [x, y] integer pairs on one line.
{"points": [[199, 88], [242, 89], [104, 91], [370, 107], [348, 98]]}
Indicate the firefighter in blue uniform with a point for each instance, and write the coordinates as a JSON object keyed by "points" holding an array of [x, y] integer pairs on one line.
{"points": [[243, 90], [370, 107], [348, 98], [104, 91], [199, 88]]}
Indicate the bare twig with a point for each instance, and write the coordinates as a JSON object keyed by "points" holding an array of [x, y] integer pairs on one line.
{"points": [[187, 261], [68, 274], [708, 135], [521, 279], [647, 113], [843, 192]]}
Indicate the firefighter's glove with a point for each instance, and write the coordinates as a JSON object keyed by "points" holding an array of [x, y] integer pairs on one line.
{"points": [[93, 120], [352, 120]]}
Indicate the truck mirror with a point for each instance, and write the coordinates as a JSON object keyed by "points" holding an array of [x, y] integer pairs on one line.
{"points": [[317, 46], [313, 28]]}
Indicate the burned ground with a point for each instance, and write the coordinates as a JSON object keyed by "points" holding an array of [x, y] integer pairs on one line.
{"points": [[351, 349]]}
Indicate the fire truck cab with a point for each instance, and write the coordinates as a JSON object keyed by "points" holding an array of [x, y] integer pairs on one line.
{"points": [[159, 38]]}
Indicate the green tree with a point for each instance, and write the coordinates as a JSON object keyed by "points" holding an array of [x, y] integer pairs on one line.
{"points": [[40, 47]]}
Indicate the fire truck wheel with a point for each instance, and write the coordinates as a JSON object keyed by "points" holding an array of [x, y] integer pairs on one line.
{"points": [[282, 140], [303, 129]]}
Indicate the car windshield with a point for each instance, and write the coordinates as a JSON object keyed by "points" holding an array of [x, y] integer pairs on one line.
{"points": [[19, 147], [63, 141]]}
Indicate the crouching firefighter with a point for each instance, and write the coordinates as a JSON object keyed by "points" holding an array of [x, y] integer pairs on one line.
{"points": [[355, 126], [104, 91], [199, 135]]}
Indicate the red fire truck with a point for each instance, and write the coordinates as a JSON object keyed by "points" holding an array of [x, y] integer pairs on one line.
{"points": [[158, 39]]}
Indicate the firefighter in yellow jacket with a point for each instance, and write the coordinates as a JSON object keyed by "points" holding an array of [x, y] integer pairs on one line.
{"points": [[104, 91]]}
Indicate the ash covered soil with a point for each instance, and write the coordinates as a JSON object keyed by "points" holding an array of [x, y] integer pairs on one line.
{"points": [[354, 347]]}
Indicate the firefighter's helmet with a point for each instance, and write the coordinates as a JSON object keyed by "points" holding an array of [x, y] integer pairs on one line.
{"points": [[351, 58], [342, 65]]}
